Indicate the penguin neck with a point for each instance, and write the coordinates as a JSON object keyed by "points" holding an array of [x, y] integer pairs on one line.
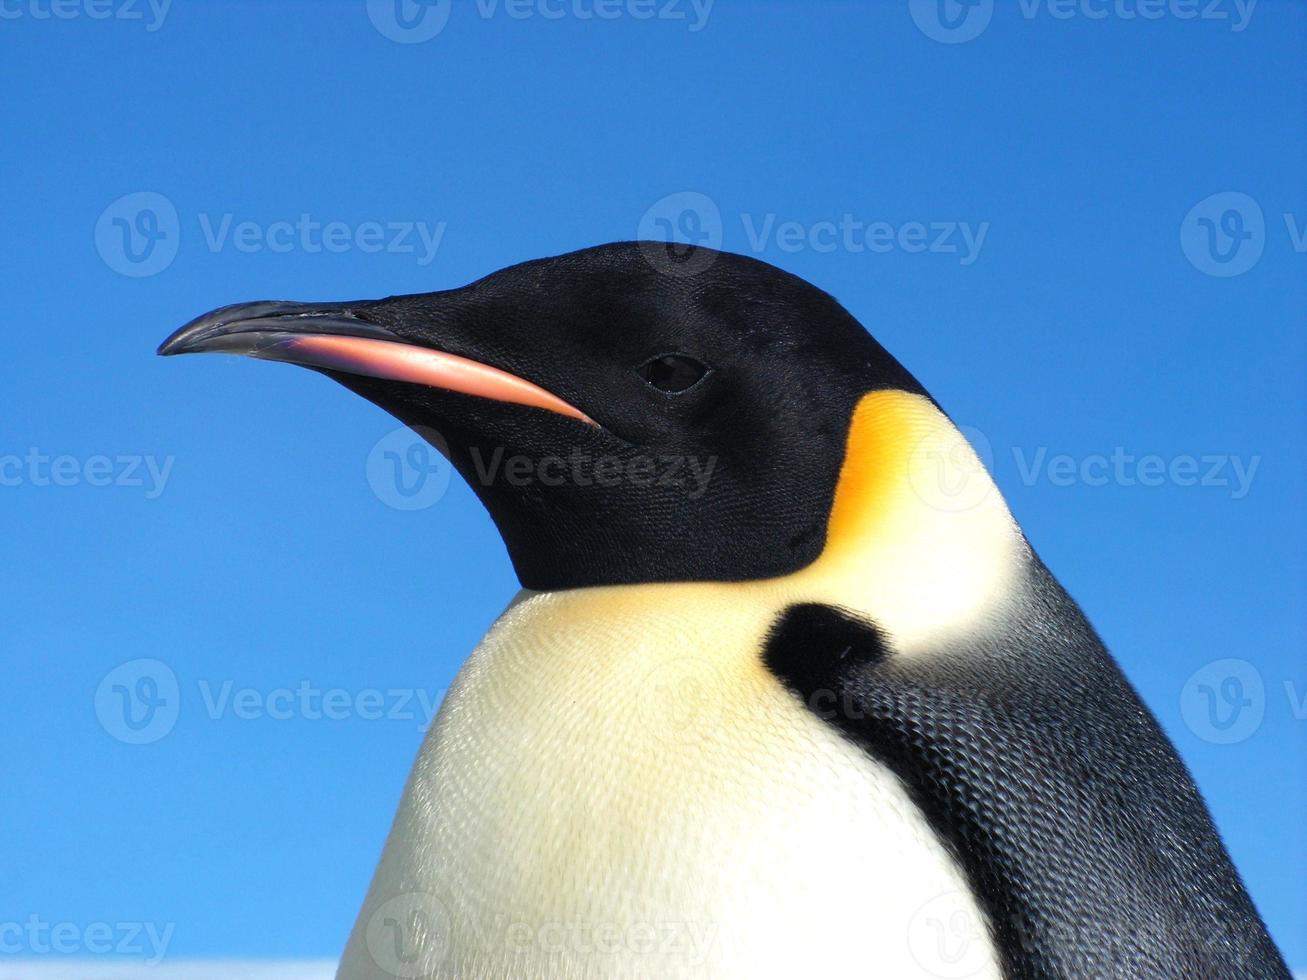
{"points": [[919, 541], [919, 537]]}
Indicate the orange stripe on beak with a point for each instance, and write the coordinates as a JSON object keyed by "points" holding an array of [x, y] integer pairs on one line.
{"points": [[417, 365]]}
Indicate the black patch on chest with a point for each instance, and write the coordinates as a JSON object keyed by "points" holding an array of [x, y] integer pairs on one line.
{"points": [[812, 644], [1078, 828]]}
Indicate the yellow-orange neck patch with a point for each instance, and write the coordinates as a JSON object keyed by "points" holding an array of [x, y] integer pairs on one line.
{"points": [[918, 535]]}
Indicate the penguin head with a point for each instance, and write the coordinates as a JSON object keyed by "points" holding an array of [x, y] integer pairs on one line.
{"points": [[634, 412]]}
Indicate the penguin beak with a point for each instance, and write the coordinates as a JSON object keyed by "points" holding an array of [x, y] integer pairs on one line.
{"points": [[333, 337]]}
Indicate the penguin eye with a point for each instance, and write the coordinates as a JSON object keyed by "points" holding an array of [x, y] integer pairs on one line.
{"points": [[672, 373]]}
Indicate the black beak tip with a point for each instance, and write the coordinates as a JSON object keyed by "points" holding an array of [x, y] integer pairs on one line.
{"points": [[213, 330], [186, 339], [182, 339], [175, 344], [190, 336]]}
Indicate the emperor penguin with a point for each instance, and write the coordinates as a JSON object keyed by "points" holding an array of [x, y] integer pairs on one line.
{"points": [[786, 691]]}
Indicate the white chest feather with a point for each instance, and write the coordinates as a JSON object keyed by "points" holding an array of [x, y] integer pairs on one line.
{"points": [[616, 787]]}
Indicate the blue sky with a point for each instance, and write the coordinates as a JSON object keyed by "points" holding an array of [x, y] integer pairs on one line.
{"points": [[1084, 233]]}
